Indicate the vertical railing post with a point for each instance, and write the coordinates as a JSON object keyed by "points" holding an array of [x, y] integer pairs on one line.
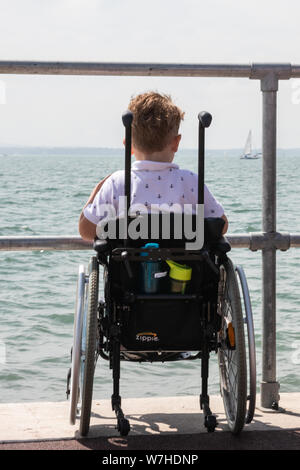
{"points": [[269, 385]]}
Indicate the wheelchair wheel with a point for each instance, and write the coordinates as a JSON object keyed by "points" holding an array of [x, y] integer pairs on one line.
{"points": [[90, 348], [251, 344], [231, 351], [77, 349]]}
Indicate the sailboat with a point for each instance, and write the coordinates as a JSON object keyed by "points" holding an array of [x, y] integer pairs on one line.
{"points": [[248, 155]]}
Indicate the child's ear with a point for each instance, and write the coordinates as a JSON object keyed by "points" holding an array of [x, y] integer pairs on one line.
{"points": [[176, 142], [132, 149]]}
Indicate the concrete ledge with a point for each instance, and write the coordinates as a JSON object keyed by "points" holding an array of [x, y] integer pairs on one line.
{"points": [[164, 416]]}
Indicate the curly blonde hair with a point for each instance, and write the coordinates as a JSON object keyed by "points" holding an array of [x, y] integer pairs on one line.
{"points": [[156, 119]]}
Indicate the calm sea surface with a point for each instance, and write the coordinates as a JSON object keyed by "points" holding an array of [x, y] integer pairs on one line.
{"points": [[43, 194]]}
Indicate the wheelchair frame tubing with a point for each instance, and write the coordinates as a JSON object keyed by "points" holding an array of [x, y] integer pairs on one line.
{"points": [[204, 398], [116, 366]]}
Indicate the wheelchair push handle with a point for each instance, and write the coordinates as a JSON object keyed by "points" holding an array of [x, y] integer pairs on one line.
{"points": [[127, 118], [205, 119]]}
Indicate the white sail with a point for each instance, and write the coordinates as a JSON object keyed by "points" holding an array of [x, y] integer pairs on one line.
{"points": [[248, 145], [248, 155]]}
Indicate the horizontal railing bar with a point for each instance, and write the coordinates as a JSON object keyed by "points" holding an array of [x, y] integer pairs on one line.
{"points": [[123, 68], [149, 69], [294, 240], [239, 240], [33, 243], [295, 71]]}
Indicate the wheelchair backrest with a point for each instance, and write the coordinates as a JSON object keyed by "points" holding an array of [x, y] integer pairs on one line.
{"points": [[169, 231]]}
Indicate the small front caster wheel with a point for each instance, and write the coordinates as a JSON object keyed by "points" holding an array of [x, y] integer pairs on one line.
{"points": [[210, 423], [123, 426]]}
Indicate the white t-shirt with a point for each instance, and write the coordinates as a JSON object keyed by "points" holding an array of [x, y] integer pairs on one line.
{"points": [[153, 183]]}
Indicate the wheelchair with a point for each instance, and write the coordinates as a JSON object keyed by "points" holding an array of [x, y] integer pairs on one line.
{"points": [[128, 324]]}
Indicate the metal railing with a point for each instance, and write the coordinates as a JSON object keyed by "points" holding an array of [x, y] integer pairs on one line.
{"points": [[254, 241], [268, 241]]}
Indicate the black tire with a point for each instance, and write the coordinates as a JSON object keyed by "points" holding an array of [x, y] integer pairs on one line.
{"points": [[90, 348], [232, 351], [210, 423], [123, 426], [250, 344]]}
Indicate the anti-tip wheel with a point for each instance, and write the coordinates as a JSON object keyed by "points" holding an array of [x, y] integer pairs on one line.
{"points": [[123, 426], [210, 423]]}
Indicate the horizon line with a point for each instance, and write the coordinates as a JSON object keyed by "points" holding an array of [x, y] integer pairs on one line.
{"points": [[119, 148]]}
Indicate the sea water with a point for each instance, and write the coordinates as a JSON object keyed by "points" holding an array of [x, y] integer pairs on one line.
{"points": [[42, 193]]}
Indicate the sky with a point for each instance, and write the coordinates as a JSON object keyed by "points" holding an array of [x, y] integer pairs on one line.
{"points": [[86, 111]]}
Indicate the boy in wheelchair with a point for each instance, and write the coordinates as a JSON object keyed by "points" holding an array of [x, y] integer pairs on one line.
{"points": [[155, 180], [157, 326]]}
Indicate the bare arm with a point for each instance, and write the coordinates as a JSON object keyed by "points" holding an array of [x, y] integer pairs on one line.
{"points": [[225, 228], [86, 228]]}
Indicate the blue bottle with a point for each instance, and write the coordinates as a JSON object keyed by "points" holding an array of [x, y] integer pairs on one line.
{"points": [[150, 272]]}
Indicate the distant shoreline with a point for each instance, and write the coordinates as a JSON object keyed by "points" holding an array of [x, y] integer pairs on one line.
{"points": [[18, 150]]}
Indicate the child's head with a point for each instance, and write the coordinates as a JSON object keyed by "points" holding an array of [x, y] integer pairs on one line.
{"points": [[156, 122]]}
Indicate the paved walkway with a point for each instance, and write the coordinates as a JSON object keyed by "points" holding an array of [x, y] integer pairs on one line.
{"points": [[253, 440], [165, 423]]}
